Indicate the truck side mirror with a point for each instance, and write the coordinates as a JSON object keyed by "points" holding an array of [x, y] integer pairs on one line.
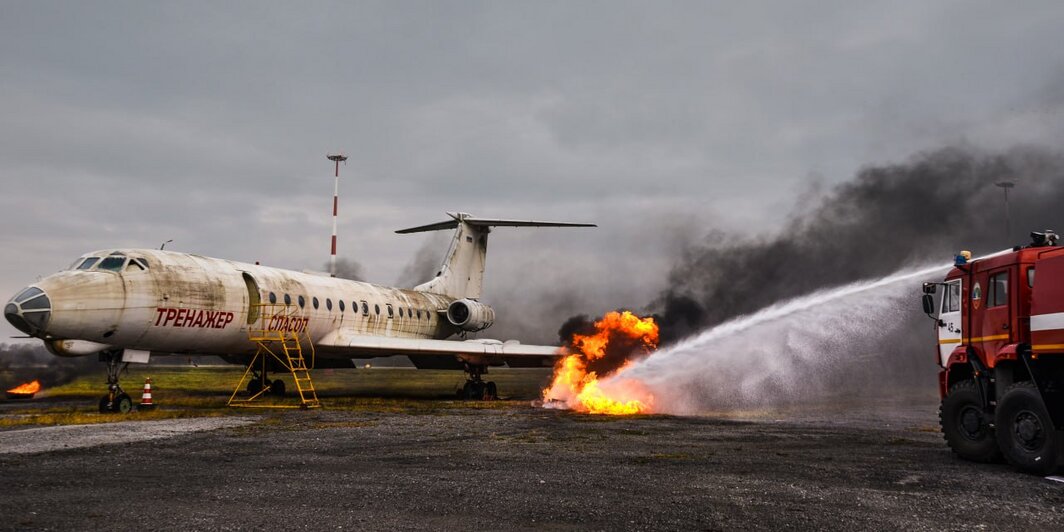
{"points": [[929, 288], [929, 305]]}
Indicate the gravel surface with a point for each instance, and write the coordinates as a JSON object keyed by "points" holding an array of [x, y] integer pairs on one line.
{"points": [[38, 440], [527, 468]]}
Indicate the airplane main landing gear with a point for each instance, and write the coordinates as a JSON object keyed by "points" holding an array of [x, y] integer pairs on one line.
{"points": [[259, 381], [116, 400], [475, 388]]}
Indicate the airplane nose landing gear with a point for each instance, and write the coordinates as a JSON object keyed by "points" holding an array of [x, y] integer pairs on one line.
{"points": [[475, 388], [116, 400]]}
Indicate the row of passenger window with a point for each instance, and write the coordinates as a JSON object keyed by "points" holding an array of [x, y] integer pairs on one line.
{"points": [[302, 302]]}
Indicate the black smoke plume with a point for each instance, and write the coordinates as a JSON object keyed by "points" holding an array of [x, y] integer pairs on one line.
{"points": [[888, 217], [579, 324], [426, 262], [348, 269], [22, 363]]}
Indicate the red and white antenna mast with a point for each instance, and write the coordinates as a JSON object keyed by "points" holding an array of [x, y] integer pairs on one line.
{"points": [[336, 202]]}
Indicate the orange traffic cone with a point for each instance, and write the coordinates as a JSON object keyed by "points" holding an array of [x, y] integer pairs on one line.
{"points": [[145, 398]]}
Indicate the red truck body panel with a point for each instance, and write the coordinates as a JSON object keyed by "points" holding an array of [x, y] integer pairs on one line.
{"points": [[1047, 306], [1000, 295], [1001, 347]]}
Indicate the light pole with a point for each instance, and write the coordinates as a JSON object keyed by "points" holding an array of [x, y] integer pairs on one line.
{"points": [[1006, 185], [336, 202]]}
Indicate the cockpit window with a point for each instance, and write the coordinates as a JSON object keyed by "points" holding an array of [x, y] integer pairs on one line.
{"points": [[37, 303], [113, 263], [88, 263], [134, 266], [27, 294]]}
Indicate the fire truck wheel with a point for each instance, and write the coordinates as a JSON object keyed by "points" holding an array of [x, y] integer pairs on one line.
{"points": [[123, 404], [1025, 431], [965, 425]]}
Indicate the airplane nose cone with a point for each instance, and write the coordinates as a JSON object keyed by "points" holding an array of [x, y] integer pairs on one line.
{"points": [[11, 313], [29, 311]]}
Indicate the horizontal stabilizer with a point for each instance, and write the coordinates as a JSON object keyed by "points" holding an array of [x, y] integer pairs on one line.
{"points": [[430, 227], [486, 222], [495, 222]]}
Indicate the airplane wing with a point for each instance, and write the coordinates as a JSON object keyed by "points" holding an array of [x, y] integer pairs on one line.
{"points": [[439, 354]]}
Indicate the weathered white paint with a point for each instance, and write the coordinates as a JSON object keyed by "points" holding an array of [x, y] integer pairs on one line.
{"points": [[184, 303], [128, 309]]}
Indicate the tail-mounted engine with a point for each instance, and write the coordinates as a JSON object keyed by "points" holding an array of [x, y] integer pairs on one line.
{"points": [[469, 315]]}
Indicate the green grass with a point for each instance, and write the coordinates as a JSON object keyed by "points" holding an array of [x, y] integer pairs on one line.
{"points": [[192, 392]]}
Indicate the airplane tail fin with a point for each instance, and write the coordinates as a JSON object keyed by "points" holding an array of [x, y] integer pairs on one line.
{"points": [[462, 272]]}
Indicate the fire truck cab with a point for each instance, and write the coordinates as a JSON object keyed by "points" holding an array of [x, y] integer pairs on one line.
{"points": [[1000, 323]]}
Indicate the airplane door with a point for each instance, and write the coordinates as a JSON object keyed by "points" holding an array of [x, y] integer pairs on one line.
{"points": [[949, 329], [254, 299]]}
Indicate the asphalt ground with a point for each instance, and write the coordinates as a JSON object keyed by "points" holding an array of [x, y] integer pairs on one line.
{"points": [[388, 462]]}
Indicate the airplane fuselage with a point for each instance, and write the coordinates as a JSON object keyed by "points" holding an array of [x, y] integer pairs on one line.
{"points": [[169, 302], [127, 305]]}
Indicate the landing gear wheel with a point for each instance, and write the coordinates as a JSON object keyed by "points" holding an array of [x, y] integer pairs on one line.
{"points": [[277, 388], [254, 386], [966, 425], [112, 402], [123, 404], [473, 390], [1025, 431]]}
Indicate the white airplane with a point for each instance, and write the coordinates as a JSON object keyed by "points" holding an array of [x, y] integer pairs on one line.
{"points": [[126, 305]]}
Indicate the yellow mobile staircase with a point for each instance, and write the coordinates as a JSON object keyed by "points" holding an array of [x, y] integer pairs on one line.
{"points": [[280, 331]]}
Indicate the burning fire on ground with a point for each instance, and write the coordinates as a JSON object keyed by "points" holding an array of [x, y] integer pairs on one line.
{"points": [[24, 391], [604, 349]]}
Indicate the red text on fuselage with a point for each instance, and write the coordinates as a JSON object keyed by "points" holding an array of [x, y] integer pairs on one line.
{"points": [[193, 318]]}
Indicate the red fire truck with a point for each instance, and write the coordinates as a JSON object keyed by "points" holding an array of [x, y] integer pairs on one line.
{"points": [[1001, 349]]}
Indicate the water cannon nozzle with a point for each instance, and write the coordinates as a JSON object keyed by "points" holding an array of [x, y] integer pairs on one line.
{"points": [[1045, 238]]}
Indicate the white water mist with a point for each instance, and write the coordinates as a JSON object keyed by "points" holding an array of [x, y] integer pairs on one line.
{"points": [[784, 353]]}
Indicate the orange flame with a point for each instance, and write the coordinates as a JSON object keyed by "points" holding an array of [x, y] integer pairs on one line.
{"points": [[29, 388], [579, 389]]}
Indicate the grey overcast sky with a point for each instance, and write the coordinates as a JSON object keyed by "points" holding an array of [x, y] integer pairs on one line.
{"points": [[131, 123]]}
